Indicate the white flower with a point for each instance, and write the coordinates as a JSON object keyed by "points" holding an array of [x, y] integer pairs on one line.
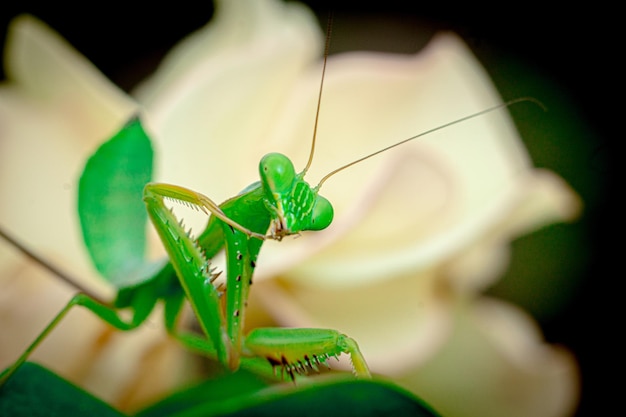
{"points": [[419, 231]]}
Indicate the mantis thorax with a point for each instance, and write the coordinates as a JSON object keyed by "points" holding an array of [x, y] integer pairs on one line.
{"points": [[295, 205]]}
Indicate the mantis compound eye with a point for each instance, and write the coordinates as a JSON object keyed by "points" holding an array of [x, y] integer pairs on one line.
{"points": [[322, 214], [277, 172]]}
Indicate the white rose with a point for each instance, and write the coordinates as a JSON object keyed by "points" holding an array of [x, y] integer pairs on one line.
{"points": [[419, 231]]}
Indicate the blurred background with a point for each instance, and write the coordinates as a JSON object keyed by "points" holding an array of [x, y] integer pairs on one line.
{"points": [[566, 276]]}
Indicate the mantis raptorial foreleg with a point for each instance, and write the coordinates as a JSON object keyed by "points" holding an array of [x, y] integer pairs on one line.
{"points": [[190, 264], [295, 350], [198, 200]]}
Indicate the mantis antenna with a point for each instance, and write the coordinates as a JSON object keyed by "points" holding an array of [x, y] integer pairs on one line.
{"points": [[329, 26], [462, 119]]}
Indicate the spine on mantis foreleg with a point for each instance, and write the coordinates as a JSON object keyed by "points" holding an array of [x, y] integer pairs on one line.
{"points": [[192, 269]]}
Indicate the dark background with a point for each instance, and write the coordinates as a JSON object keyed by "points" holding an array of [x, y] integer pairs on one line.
{"points": [[565, 57]]}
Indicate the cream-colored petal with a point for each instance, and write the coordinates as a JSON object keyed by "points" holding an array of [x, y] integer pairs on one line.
{"points": [[377, 316], [125, 369], [538, 199], [413, 206], [55, 109], [544, 198], [235, 26], [48, 69], [496, 364], [210, 118]]}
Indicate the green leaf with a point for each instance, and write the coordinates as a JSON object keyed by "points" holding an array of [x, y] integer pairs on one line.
{"points": [[34, 391], [237, 395], [110, 205], [212, 391]]}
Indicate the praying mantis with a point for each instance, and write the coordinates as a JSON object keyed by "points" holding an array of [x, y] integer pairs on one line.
{"points": [[282, 203]]}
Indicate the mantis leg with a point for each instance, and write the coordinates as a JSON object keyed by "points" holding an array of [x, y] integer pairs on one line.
{"points": [[202, 345], [199, 200], [105, 312], [300, 350], [192, 269], [221, 322], [191, 341]]}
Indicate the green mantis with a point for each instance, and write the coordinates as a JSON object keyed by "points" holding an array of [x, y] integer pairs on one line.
{"points": [[282, 203]]}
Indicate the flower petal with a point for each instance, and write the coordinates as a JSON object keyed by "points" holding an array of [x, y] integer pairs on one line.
{"points": [[538, 199], [217, 94], [54, 110], [376, 316], [495, 364], [410, 207]]}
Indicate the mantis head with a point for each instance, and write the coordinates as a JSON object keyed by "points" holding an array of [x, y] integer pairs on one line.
{"points": [[296, 206]]}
